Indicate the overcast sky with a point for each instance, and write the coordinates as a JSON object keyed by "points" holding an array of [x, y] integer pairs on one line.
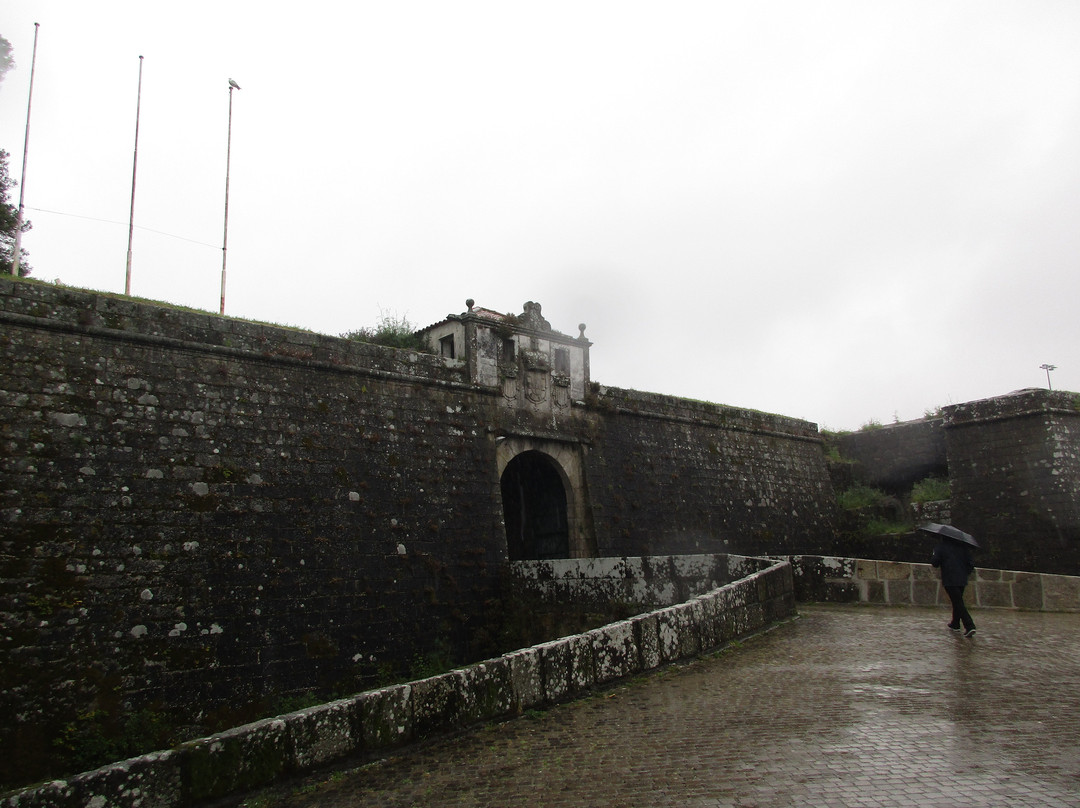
{"points": [[837, 211]]}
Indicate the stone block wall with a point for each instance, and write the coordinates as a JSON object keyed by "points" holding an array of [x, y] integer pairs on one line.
{"points": [[1015, 473], [644, 582], [860, 580], [897, 456], [671, 476], [200, 514]]}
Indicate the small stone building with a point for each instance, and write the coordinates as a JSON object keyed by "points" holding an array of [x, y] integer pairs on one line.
{"points": [[535, 367], [538, 373]]}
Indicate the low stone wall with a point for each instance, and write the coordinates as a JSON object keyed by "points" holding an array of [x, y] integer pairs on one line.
{"points": [[645, 581], [253, 755], [827, 578]]}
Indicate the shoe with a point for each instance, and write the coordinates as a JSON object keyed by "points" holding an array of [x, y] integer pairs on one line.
{"points": [[969, 633], [954, 628]]}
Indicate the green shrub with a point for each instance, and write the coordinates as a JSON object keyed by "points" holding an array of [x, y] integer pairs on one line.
{"points": [[392, 331], [862, 496], [932, 489], [879, 527]]}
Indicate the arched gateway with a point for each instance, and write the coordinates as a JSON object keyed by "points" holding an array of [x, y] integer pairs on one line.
{"points": [[544, 501], [534, 508]]}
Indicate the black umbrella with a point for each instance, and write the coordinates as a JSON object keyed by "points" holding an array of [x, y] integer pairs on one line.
{"points": [[950, 532]]}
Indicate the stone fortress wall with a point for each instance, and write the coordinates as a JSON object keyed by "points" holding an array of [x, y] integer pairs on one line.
{"points": [[1013, 465], [200, 513]]}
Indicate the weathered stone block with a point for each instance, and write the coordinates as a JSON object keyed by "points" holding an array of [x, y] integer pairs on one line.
{"points": [[835, 567], [898, 591], [762, 587], [667, 621], [54, 794], [924, 572], [582, 664], [707, 628], [491, 690], [240, 759], [148, 781], [693, 614], [993, 594], [615, 651], [925, 593], [439, 703], [893, 571], [526, 679], [323, 733], [875, 592], [1028, 591], [754, 617], [1061, 593], [742, 592], [647, 638], [866, 569], [556, 665], [386, 717]]}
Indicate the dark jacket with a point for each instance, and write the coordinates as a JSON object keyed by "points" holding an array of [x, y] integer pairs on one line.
{"points": [[954, 558]]}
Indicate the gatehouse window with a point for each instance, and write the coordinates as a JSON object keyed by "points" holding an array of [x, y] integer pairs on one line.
{"points": [[446, 347], [562, 361]]}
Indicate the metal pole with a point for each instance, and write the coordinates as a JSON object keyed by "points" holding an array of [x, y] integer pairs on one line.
{"points": [[134, 165], [228, 160], [1048, 368], [26, 147]]}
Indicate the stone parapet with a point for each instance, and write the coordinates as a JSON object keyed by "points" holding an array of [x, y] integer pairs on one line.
{"points": [[256, 754], [825, 578]]}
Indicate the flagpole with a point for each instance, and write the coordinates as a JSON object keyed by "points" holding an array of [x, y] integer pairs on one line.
{"points": [[134, 166], [228, 160], [26, 147]]}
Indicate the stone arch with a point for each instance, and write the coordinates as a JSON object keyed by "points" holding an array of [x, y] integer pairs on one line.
{"points": [[534, 508], [544, 502]]}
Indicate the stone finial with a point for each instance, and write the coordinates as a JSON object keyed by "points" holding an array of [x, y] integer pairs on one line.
{"points": [[531, 318], [581, 330], [470, 303]]}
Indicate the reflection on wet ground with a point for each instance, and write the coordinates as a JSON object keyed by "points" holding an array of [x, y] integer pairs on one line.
{"points": [[846, 706]]}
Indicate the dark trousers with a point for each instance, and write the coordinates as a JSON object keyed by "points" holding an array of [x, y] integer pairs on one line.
{"points": [[959, 610]]}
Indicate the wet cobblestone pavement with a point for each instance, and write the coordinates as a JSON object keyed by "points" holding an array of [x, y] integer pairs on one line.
{"points": [[846, 706]]}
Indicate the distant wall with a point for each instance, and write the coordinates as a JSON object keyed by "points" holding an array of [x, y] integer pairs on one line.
{"points": [[833, 579], [896, 456], [1014, 467]]}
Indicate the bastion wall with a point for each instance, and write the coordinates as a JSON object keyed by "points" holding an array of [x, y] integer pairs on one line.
{"points": [[200, 514]]}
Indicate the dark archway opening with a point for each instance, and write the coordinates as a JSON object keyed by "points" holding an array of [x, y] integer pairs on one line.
{"points": [[534, 508]]}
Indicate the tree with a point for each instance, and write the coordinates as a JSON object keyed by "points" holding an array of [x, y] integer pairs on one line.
{"points": [[9, 218], [6, 62]]}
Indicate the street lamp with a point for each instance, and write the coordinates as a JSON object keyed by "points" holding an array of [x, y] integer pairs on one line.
{"points": [[1048, 368], [228, 159]]}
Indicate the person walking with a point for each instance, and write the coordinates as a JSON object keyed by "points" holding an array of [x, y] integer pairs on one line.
{"points": [[954, 560]]}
